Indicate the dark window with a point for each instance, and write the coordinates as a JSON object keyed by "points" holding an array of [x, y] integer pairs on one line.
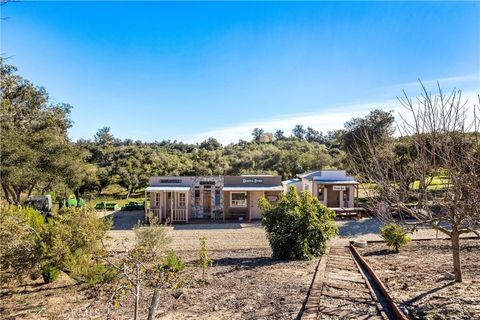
{"points": [[197, 197], [217, 197]]}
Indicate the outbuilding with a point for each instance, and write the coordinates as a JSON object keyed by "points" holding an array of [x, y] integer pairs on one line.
{"points": [[334, 188]]}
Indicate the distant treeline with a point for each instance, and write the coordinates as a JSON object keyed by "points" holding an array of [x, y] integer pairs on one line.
{"points": [[37, 156]]}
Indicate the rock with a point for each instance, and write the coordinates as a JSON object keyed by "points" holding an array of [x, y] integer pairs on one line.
{"points": [[404, 310], [359, 243], [215, 307]]}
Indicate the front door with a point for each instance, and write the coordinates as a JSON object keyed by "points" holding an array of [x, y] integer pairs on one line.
{"points": [[333, 198], [169, 205], [207, 201]]}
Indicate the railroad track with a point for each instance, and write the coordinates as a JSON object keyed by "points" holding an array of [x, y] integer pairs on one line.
{"points": [[342, 289]]}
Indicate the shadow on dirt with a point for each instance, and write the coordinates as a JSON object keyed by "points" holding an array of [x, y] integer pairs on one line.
{"points": [[247, 263], [126, 220], [206, 226], [354, 227]]}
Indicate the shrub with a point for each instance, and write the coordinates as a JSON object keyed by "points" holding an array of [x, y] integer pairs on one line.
{"points": [[69, 242], [395, 236], [20, 243], [203, 259], [50, 274], [297, 226]]}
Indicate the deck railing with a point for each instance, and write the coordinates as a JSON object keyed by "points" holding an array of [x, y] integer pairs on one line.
{"points": [[179, 214]]}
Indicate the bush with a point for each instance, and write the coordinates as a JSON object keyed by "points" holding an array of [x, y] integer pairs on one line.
{"points": [[395, 236], [203, 259], [68, 242], [50, 274], [20, 243], [297, 226]]}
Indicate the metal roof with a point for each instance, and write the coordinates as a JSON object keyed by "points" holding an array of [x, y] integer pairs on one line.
{"points": [[260, 188], [323, 181], [168, 188]]}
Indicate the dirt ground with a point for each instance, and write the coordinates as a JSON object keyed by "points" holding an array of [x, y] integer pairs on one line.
{"points": [[420, 278], [242, 284]]}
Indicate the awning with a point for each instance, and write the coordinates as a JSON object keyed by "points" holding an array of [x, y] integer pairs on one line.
{"points": [[265, 188], [168, 188], [337, 182]]}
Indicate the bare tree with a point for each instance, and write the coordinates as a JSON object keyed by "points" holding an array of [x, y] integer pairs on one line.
{"points": [[442, 133]]}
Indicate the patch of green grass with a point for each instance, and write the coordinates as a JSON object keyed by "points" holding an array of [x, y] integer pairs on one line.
{"points": [[437, 183], [120, 202]]}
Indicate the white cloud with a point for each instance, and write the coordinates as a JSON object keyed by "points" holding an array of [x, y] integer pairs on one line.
{"points": [[459, 82], [325, 120]]}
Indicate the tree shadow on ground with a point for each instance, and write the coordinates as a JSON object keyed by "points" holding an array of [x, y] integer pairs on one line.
{"points": [[353, 227], [247, 263], [423, 295], [207, 226], [383, 252], [126, 220]]}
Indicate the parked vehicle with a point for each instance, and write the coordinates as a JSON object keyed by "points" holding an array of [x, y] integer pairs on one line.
{"points": [[72, 202], [109, 206], [43, 204], [132, 206]]}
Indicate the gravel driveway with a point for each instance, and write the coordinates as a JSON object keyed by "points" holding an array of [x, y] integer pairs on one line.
{"points": [[233, 236]]}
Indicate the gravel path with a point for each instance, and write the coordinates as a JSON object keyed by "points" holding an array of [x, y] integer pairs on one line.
{"points": [[234, 236]]}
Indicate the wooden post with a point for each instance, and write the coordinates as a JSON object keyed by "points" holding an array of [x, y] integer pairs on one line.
{"points": [[249, 206], [145, 207], [356, 197], [186, 205]]}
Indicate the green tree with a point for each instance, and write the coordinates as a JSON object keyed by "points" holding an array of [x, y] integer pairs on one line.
{"points": [[279, 135], [395, 236], [257, 133], [36, 152], [299, 132], [297, 226], [203, 259]]}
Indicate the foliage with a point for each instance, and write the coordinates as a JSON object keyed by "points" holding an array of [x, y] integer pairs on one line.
{"points": [[442, 141], [20, 242], [35, 147], [203, 260], [151, 242], [395, 236], [145, 261], [297, 226], [50, 274], [69, 242]]}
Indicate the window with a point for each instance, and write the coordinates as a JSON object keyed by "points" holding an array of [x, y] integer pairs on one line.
{"points": [[217, 197], [238, 199], [320, 192], [197, 198], [181, 199], [157, 200]]}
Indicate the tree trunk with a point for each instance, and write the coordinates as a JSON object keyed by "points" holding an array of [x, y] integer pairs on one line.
{"points": [[7, 194], [128, 192], [457, 268], [137, 293], [152, 310], [30, 190]]}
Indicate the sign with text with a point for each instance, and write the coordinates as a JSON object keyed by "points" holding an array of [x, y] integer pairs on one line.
{"points": [[339, 188], [170, 181], [252, 181]]}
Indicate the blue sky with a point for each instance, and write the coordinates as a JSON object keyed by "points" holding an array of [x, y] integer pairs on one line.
{"points": [[186, 71]]}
